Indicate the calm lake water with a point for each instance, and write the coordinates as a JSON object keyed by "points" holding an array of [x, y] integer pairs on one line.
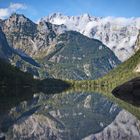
{"points": [[66, 115]]}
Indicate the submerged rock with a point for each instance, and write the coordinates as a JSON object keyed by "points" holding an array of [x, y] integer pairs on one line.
{"points": [[129, 91]]}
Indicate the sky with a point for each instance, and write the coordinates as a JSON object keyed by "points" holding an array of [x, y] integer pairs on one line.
{"points": [[36, 9]]}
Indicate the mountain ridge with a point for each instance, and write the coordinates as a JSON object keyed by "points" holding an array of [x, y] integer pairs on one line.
{"points": [[112, 31], [46, 41], [15, 57], [76, 54]]}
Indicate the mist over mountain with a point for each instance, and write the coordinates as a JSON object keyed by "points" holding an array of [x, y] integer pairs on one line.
{"points": [[119, 33]]}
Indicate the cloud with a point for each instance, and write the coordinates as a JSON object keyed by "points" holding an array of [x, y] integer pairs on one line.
{"points": [[13, 7]]}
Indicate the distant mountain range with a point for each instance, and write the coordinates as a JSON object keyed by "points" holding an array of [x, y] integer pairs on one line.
{"points": [[119, 34], [46, 49]]}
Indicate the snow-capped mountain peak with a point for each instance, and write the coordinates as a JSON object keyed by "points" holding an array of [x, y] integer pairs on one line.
{"points": [[118, 33]]}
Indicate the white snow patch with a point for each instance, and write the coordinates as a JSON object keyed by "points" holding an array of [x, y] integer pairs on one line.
{"points": [[112, 63], [87, 69], [101, 124], [137, 69], [34, 45], [116, 33], [100, 47], [87, 101], [113, 108]]}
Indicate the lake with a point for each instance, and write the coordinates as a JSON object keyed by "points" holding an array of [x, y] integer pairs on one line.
{"points": [[68, 115]]}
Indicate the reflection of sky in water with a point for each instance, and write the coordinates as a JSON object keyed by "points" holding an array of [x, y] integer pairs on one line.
{"points": [[70, 115]]}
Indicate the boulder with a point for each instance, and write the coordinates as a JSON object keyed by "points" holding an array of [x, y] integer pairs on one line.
{"points": [[129, 91]]}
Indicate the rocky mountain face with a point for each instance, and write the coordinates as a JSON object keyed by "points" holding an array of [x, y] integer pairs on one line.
{"points": [[126, 71], [79, 57], [137, 68], [119, 34], [64, 54], [5, 50], [24, 62], [137, 44], [17, 27], [32, 39]]}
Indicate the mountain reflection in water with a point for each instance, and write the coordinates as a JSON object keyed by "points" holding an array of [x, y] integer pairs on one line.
{"points": [[65, 115]]}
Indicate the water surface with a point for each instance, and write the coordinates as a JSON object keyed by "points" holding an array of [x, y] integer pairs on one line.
{"points": [[66, 115]]}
